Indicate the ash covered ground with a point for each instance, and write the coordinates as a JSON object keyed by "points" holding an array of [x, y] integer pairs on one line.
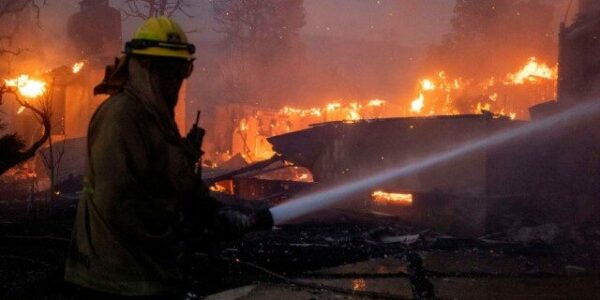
{"points": [[337, 254]]}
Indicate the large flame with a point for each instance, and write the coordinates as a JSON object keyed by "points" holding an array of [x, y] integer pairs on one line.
{"points": [[437, 94], [27, 87], [532, 72]]}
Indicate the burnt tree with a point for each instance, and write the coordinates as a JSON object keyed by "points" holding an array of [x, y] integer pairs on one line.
{"points": [[9, 24], [12, 148], [145, 9]]}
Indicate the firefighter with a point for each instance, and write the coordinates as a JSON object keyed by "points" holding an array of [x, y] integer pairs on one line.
{"points": [[141, 197]]}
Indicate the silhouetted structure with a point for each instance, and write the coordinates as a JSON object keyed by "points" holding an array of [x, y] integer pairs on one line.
{"points": [[96, 29]]}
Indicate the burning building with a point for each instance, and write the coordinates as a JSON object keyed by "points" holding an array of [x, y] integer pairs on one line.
{"points": [[70, 88]]}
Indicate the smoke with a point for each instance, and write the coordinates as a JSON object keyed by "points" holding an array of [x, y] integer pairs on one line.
{"points": [[350, 50]]}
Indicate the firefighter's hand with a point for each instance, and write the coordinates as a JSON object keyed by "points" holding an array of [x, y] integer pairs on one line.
{"points": [[261, 220]]}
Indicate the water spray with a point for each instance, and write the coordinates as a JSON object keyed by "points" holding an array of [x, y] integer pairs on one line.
{"points": [[303, 205]]}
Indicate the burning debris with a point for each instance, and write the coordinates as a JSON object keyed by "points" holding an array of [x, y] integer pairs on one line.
{"points": [[384, 198], [443, 95]]}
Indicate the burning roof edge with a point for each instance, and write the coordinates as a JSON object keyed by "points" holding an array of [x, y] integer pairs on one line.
{"points": [[485, 115]]}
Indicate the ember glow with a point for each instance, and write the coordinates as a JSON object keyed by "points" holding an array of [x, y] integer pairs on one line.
{"points": [[27, 87], [359, 284], [381, 197], [218, 188], [78, 66]]}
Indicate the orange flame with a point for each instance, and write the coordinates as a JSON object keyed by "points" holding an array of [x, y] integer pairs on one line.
{"points": [[532, 72], [382, 197], [376, 103], [78, 66], [353, 112], [243, 125], [27, 87], [218, 188], [428, 85], [417, 105], [333, 106], [359, 284]]}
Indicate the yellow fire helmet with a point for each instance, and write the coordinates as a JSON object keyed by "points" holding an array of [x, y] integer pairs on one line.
{"points": [[160, 37]]}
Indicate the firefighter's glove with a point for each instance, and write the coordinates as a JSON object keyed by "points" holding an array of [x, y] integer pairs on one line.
{"points": [[194, 140], [261, 220]]}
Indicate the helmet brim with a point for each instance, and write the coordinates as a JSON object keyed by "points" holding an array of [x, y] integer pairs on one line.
{"points": [[163, 52]]}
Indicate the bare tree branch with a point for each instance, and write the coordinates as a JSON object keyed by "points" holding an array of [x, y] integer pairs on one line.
{"points": [[8, 10], [42, 114], [145, 9]]}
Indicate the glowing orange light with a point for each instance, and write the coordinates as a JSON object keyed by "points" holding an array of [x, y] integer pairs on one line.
{"points": [[417, 105], [359, 284], [333, 106], [532, 72], [376, 103], [382, 197], [427, 85], [27, 87], [218, 188], [78, 66]]}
